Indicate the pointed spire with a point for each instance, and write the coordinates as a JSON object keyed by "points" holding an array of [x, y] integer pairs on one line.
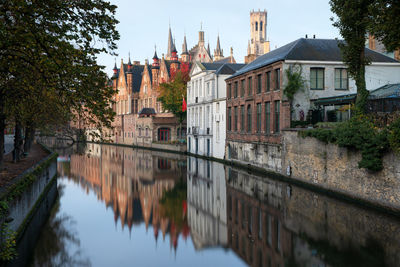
{"points": [[184, 46], [208, 49], [156, 63], [115, 70], [218, 53], [218, 45], [129, 63], [174, 47], [248, 48], [170, 43], [155, 52], [174, 55]]}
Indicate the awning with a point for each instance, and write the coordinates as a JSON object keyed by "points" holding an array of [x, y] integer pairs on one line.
{"points": [[336, 100]]}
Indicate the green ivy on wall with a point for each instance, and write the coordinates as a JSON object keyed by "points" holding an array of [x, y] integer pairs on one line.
{"points": [[360, 133]]}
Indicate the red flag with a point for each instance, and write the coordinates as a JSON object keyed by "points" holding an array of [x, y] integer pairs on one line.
{"points": [[184, 106]]}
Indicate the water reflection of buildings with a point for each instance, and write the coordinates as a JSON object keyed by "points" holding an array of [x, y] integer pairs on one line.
{"points": [[206, 197], [256, 229], [130, 181], [271, 223]]}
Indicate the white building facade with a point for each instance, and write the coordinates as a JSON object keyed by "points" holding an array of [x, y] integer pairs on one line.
{"points": [[206, 108], [327, 79]]}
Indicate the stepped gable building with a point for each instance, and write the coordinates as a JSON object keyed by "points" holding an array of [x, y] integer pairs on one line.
{"points": [[199, 52], [257, 109], [141, 119], [258, 44]]}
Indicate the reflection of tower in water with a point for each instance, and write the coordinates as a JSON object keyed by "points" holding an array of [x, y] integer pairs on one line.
{"points": [[131, 182]]}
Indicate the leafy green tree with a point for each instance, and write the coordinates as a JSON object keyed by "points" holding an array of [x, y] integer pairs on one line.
{"points": [[385, 22], [171, 95], [353, 20], [49, 49]]}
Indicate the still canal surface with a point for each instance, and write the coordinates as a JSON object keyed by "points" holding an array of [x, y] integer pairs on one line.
{"points": [[120, 206]]}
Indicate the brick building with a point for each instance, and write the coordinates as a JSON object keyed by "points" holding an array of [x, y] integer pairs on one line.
{"points": [[141, 119], [256, 112], [257, 109]]}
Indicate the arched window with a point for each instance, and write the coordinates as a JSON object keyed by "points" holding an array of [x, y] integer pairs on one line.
{"points": [[164, 134], [256, 26], [261, 24]]}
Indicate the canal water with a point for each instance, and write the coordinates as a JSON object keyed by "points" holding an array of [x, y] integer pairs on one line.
{"points": [[119, 206]]}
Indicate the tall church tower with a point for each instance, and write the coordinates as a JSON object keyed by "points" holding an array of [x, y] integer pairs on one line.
{"points": [[258, 44]]}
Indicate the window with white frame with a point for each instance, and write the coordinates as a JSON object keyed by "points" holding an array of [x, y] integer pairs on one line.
{"points": [[341, 79]]}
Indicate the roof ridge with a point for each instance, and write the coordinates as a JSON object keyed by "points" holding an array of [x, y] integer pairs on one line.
{"points": [[294, 45]]}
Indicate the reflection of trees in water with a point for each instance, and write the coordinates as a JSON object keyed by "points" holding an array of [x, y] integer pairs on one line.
{"points": [[173, 207], [58, 236]]}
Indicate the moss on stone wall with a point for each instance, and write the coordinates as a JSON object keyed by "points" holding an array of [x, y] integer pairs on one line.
{"points": [[7, 236]]}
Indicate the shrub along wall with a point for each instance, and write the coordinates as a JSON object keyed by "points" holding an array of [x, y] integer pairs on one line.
{"points": [[336, 168]]}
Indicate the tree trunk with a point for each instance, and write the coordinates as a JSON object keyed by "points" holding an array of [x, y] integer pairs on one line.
{"points": [[362, 92], [29, 136], [2, 129], [17, 142]]}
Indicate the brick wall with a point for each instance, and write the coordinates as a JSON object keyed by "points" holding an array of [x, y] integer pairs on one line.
{"points": [[251, 98]]}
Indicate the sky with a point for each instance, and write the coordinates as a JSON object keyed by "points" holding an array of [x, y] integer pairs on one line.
{"points": [[144, 25]]}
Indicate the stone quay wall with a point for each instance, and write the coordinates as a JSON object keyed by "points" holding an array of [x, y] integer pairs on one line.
{"points": [[266, 156], [26, 193], [336, 169]]}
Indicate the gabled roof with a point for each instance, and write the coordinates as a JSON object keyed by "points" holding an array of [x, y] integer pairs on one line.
{"points": [[308, 50], [137, 71], [219, 68], [211, 66], [150, 73], [229, 68]]}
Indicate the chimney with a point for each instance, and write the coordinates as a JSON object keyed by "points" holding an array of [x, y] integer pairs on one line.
{"points": [[306, 36], [314, 36]]}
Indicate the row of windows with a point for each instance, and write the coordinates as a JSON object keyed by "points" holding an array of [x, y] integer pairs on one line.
{"points": [[317, 79], [246, 111], [242, 214], [196, 89], [269, 78]]}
